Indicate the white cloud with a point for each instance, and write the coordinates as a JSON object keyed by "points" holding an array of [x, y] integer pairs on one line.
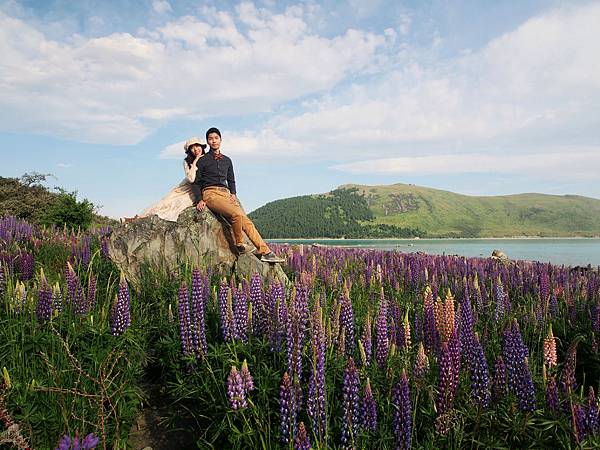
{"points": [[120, 87], [265, 143], [537, 87], [161, 6], [404, 23], [563, 165], [64, 165], [364, 8], [173, 151]]}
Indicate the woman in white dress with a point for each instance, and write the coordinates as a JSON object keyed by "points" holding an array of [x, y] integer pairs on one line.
{"points": [[183, 195]]}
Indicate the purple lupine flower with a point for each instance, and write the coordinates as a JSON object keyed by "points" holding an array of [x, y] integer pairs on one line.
{"points": [[514, 351], [235, 390], [477, 294], [276, 303], [291, 318], [199, 300], [381, 335], [1, 280], [301, 306], [80, 251], [567, 380], [519, 376], [553, 306], [500, 300], [293, 345], [288, 410], [447, 381], [120, 317], [592, 413], [579, 421], [187, 346], [402, 412], [240, 315], [75, 296], [44, 305], [104, 246], [350, 404], [544, 283], [26, 265], [552, 401], [455, 349], [317, 402], [89, 442], [369, 409], [247, 379], [80, 305], [421, 367], [596, 318], [302, 441], [226, 323], [499, 381], [259, 307], [480, 377], [466, 330], [347, 324]]}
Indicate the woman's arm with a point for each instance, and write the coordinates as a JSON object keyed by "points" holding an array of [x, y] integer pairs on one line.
{"points": [[190, 172]]}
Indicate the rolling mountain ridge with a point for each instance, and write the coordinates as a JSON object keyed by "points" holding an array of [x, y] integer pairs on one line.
{"points": [[406, 210]]}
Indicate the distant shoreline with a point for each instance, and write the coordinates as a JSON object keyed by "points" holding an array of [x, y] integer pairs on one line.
{"points": [[437, 238]]}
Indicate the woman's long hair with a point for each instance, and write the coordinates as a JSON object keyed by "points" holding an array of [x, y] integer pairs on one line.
{"points": [[189, 159]]}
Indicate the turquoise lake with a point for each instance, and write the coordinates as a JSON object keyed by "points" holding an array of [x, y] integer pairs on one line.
{"points": [[570, 252]]}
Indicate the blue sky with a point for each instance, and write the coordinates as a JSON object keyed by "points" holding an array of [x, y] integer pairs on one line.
{"points": [[477, 97]]}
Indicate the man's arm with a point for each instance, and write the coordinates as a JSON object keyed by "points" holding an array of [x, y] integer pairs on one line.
{"points": [[231, 178]]}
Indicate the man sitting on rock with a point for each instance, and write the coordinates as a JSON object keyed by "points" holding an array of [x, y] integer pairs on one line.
{"points": [[217, 182]]}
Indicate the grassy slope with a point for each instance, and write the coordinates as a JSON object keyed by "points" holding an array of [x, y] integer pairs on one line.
{"points": [[442, 213]]}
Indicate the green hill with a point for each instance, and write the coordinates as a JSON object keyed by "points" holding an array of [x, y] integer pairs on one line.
{"points": [[403, 210]]}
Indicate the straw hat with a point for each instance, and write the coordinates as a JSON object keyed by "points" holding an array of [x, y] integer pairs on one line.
{"points": [[192, 141]]}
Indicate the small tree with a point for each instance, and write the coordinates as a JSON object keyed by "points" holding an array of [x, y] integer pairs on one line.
{"points": [[34, 179], [66, 210]]}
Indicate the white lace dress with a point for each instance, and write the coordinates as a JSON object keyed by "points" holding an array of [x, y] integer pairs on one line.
{"points": [[177, 199]]}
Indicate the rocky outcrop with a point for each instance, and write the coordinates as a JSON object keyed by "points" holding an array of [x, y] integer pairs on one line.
{"points": [[200, 239]]}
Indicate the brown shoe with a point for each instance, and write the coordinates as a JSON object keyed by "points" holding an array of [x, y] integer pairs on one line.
{"points": [[271, 258]]}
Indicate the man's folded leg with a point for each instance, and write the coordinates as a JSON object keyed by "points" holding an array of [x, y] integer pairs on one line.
{"points": [[255, 236], [221, 204]]}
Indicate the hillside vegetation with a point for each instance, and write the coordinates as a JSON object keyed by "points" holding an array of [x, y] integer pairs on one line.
{"points": [[27, 198], [368, 211], [340, 213]]}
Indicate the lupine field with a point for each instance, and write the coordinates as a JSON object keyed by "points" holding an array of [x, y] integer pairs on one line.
{"points": [[364, 349]]}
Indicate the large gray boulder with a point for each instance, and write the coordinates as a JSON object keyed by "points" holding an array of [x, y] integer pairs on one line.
{"points": [[199, 239]]}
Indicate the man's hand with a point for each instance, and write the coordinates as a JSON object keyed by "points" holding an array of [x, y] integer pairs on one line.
{"points": [[233, 198], [201, 205]]}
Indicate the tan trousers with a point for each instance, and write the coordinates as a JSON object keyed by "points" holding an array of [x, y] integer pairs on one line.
{"points": [[219, 201]]}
